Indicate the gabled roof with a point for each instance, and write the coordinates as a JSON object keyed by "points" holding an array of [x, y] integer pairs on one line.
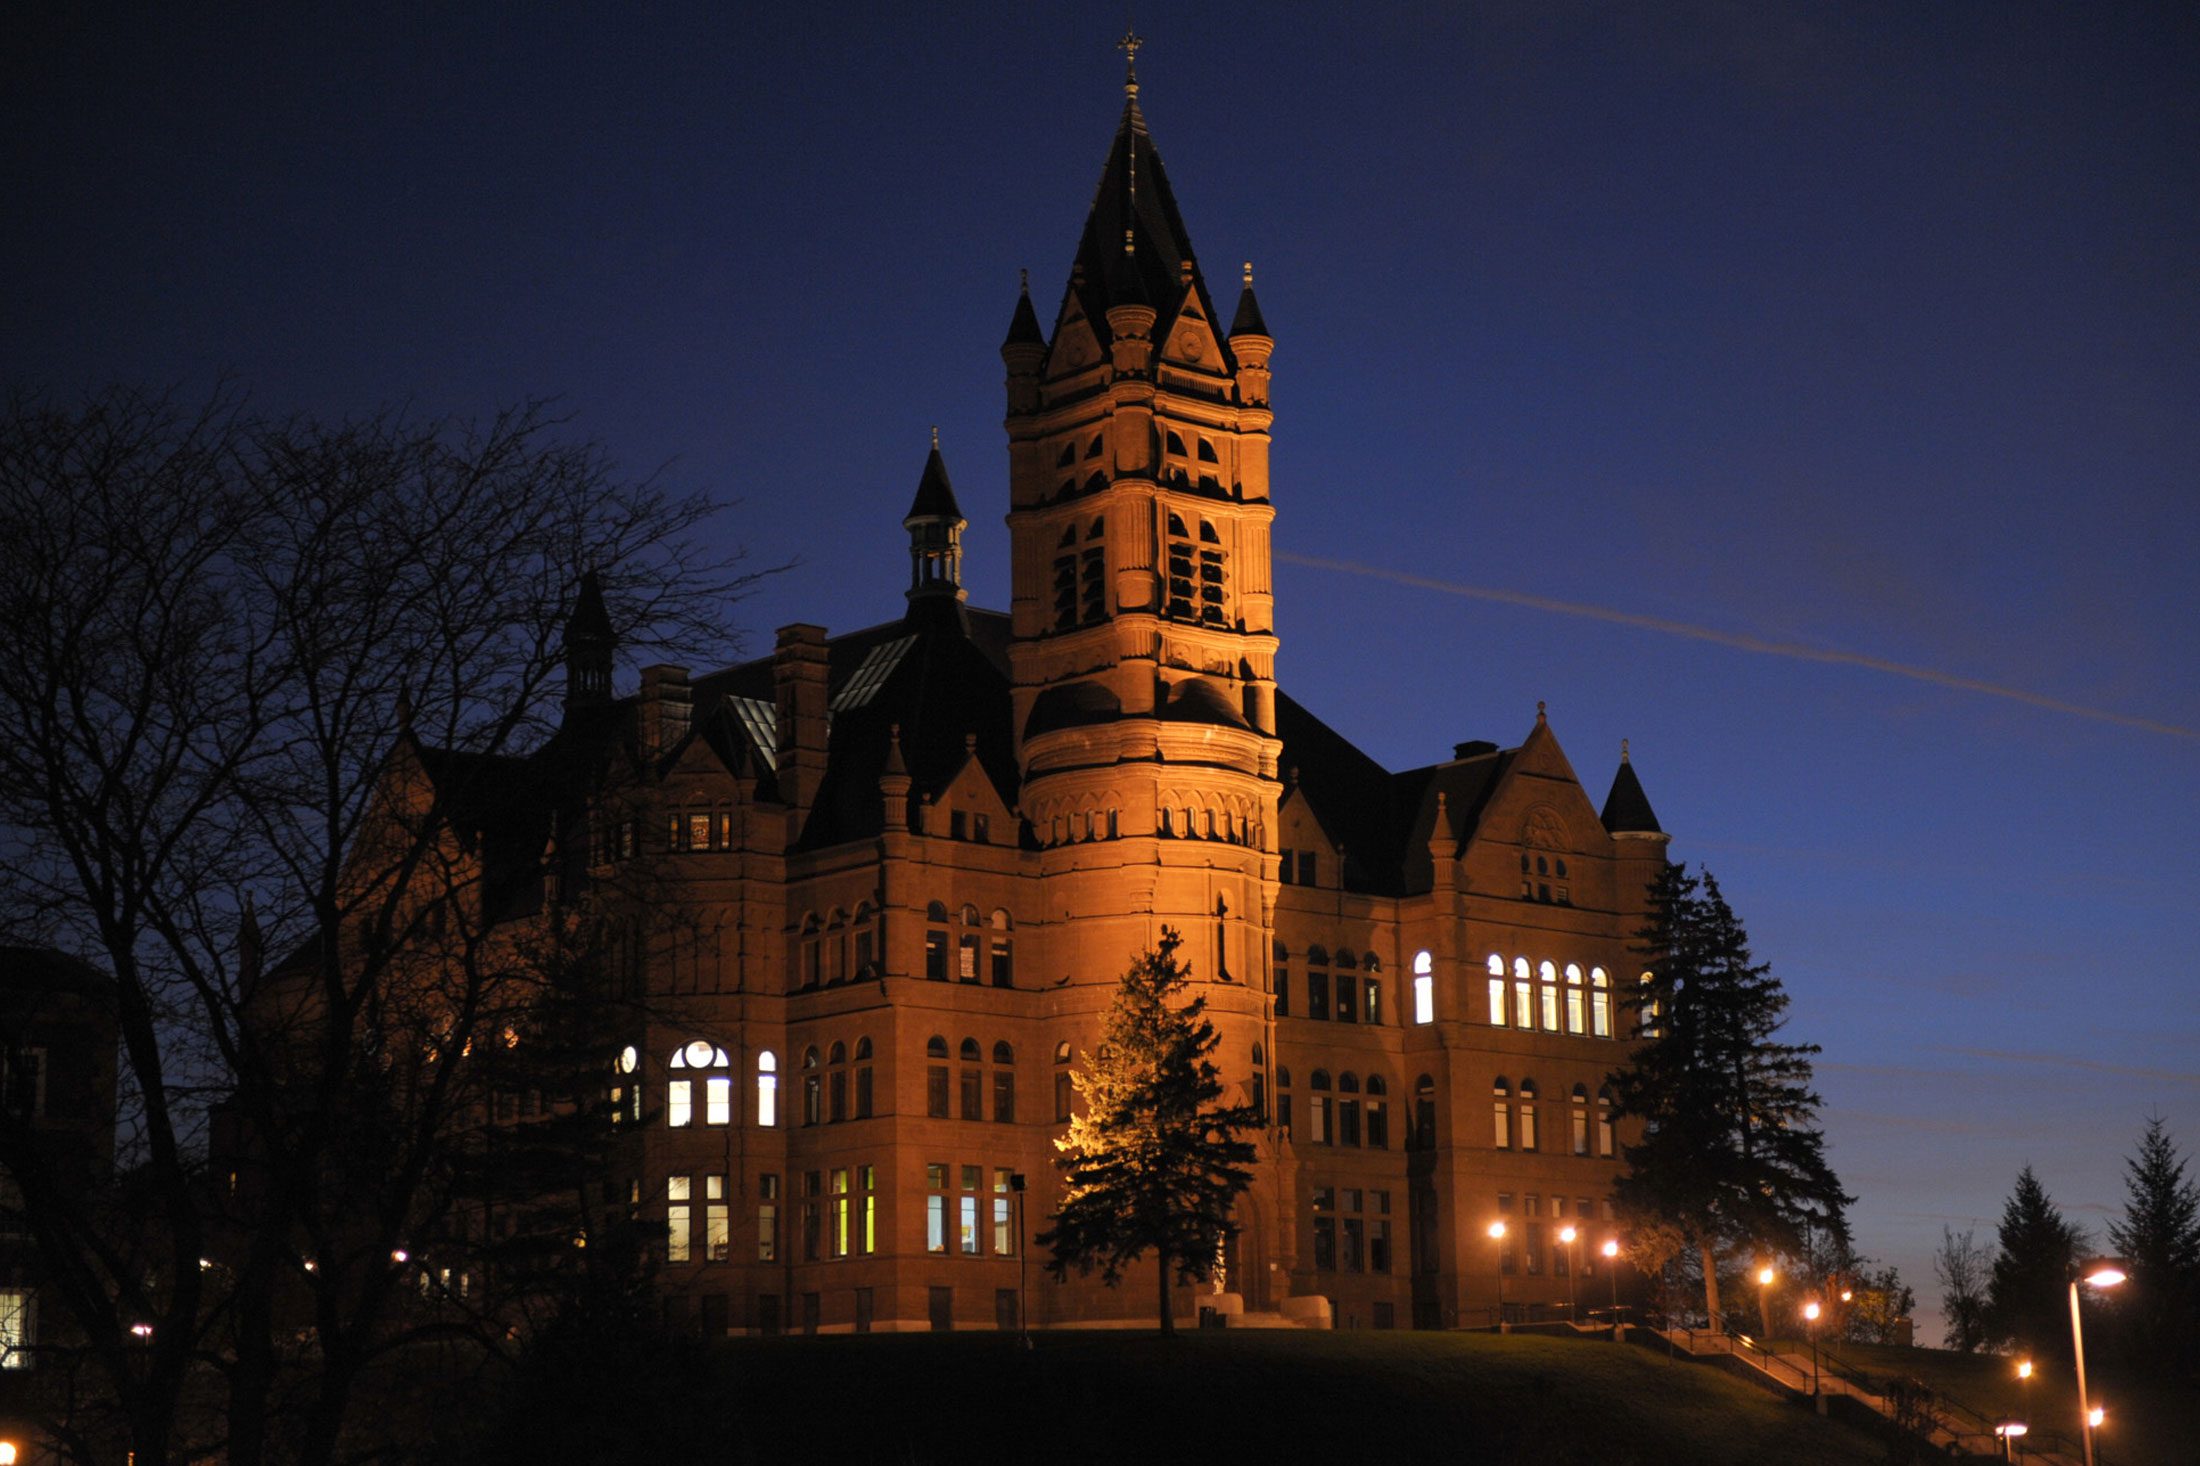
{"points": [[1135, 204]]}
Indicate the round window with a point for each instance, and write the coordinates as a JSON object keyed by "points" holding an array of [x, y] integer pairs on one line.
{"points": [[698, 1054]]}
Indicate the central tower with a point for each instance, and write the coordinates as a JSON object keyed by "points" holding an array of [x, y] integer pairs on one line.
{"points": [[1143, 633]]}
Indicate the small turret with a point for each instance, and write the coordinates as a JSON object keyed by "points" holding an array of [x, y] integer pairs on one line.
{"points": [[589, 643], [1251, 344], [1025, 351], [935, 524]]}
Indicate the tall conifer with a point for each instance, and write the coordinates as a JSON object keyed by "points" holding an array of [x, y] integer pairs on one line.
{"points": [[2026, 1305], [2159, 1240], [1730, 1157], [1150, 1164]]}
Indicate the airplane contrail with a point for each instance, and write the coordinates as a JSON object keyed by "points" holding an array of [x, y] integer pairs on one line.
{"points": [[1797, 651]]}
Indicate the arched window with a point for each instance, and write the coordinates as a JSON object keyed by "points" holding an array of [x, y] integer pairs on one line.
{"points": [[836, 1082], [1575, 1018], [935, 942], [1578, 1122], [1497, 991], [1523, 994], [1424, 987], [1004, 1083], [1348, 1110], [1604, 1121], [1283, 1098], [973, 1082], [863, 1079], [1260, 1082], [812, 957], [970, 915], [1004, 972], [935, 1077], [700, 1055], [1062, 1089], [1378, 1113], [966, 958], [1529, 1139], [1424, 1113], [813, 1088], [836, 946], [1317, 1109], [1549, 974], [1600, 1003], [767, 1089], [1283, 981], [1501, 1114], [865, 931], [1317, 983]]}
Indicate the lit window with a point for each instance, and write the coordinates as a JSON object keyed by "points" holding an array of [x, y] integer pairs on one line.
{"points": [[839, 1237], [1528, 1137], [767, 1089], [767, 1218], [18, 1327], [698, 832], [1549, 975], [1497, 991], [676, 1218], [967, 1233], [717, 1226], [1600, 1003], [1004, 1231], [679, 1102], [1424, 988], [1573, 999], [868, 1176], [935, 1208], [718, 1100]]}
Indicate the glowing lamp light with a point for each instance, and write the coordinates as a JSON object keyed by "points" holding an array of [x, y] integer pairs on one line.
{"points": [[7, 1453], [2095, 1416], [2024, 1369], [1810, 1310], [145, 1331], [1567, 1236], [2104, 1275], [2011, 1429], [1611, 1247], [1764, 1275], [399, 1254], [1497, 1229], [1846, 1295]]}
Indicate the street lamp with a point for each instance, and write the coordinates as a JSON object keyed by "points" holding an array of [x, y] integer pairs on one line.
{"points": [[2012, 1433], [1497, 1235], [1765, 1275], [1568, 1236], [1023, 1308], [1810, 1316], [1610, 1249], [2101, 1272], [2024, 1383]]}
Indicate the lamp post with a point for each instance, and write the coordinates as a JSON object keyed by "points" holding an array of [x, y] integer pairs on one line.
{"points": [[1765, 1275], [1810, 1316], [2101, 1272], [1610, 1249], [1497, 1235], [2024, 1384], [1568, 1236]]}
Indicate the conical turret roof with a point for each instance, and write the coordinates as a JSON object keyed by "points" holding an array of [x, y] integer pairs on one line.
{"points": [[589, 621], [1627, 809], [935, 495]]}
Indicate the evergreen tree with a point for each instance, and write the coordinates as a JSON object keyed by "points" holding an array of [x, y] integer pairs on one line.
{"points": [[2026, 1300], [1150, 1164], [2159, 1240], [1730, 1157]]}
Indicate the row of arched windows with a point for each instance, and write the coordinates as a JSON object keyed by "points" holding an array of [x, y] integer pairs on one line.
{"points": [[837, 946], [969, 1086], [980, 952], [1515, 1123], [1536, 997], [1334, 987], [1338, 1112]]}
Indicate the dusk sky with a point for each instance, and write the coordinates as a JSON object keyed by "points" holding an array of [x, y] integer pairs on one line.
{"points": [[1808, 394]]}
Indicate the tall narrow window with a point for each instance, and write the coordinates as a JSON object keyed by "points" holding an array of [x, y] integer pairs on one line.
{"points": [[1378, 1114], [863, 1079], [1523, 994], [1317, 983], [718, 1100], [1004, 1084], [1549, 974], [1578, 1122], [1348, 989], [867, 1177], [841, 1232], [1528, 1138], [1424, 1112], [813, 1088], [966, 1232], [935, 1207], [678, 1226], [1317, 1108], [1497, 991], [836, 1083], [1600, 1003], [1283, 1098], [1574, 1006], [1062, 1089], [1604, 1122], [1283, 981], [1004, 1231], [1501, 1114], [767, 1089], [973, 1082], [935, 1077], [717, 1225], [1004, 968], [767, 1218], [680, 1102], [1348, 1110], [935, 942], [1424, 988]]}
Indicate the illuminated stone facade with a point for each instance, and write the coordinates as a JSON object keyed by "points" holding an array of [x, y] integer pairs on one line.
{"points": [[911, 862]]}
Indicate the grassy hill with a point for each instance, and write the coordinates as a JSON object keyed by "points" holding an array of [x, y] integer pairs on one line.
{"points": [[1221, 1397]]}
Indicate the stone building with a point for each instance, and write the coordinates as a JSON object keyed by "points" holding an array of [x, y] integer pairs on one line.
{"points": [[911, 862]]}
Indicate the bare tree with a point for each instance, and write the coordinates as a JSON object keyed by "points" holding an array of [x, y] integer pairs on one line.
{"points": [[261, 691], [1964, 1270]]}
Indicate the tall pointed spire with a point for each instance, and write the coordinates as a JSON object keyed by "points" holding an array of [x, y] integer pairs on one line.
{"points": [[935, 524], [589, 643]]}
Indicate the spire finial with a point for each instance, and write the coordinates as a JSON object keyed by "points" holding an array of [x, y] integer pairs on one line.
{"points": [[1623, 750], [935, 437], [1023, 281], [1248, 274], [1129, 45], [1130, 242], [1539, 710]]}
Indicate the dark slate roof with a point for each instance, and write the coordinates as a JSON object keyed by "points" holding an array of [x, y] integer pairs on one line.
{"points": [[935, 495], [1023, 327], [589, 621], [509, 808], [1627, 809], [46, 969], [1248, 320], [1134, 195]]}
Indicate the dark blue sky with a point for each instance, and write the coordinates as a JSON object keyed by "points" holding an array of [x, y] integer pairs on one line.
{"points": [[1874, 330]]}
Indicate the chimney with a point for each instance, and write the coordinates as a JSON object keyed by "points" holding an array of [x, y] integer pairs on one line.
{"points": [[799, 685], [665, 706]]}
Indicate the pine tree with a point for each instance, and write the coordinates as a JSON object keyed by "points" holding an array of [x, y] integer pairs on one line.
{"points": [[2026, 1304], [1730, 1157], [1150, 1164], [2159, 1240]]}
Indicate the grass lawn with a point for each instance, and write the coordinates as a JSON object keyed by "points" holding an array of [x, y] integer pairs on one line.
{"points": [[2146, 1426], [1223, 1397]]}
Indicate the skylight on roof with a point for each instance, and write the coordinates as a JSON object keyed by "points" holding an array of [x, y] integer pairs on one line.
{"points": [[761, 720], [878, 665]]}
